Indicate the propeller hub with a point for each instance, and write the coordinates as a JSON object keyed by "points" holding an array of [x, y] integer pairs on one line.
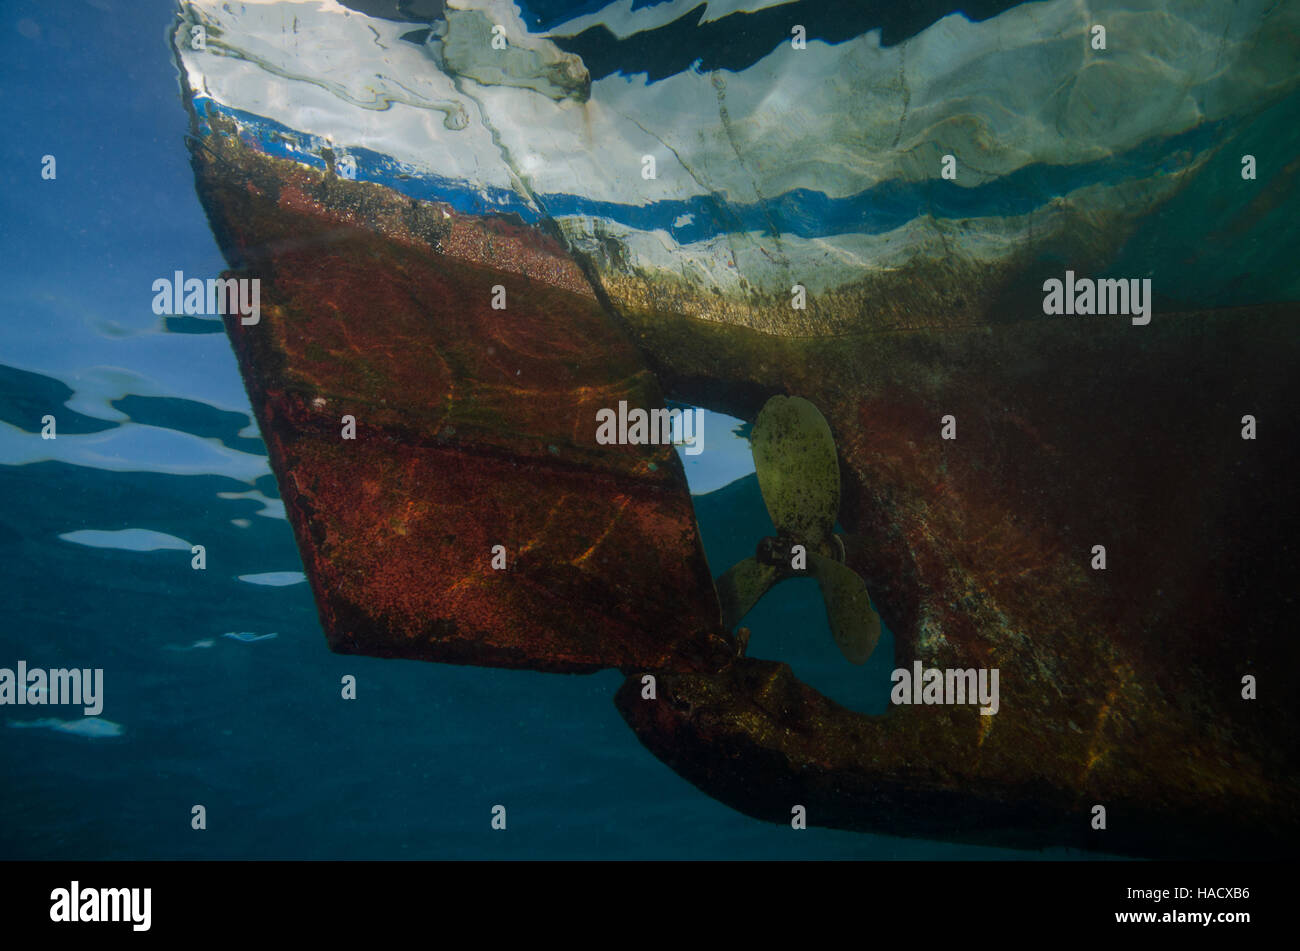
{"points": [[778, 553]]}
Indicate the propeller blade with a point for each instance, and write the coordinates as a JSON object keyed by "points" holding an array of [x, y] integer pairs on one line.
{"points": [[798, 472], [855, 626], [741, 587]]}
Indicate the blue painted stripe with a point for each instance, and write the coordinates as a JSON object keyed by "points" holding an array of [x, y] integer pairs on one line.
{"points": [[802, 212], [281, 141]]}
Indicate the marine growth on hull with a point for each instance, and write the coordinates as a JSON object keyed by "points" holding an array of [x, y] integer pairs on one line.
{"points": [[1007, 304]]}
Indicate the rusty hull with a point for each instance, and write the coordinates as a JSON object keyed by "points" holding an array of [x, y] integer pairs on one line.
{"points": [[475, 427], [1120, 687]]}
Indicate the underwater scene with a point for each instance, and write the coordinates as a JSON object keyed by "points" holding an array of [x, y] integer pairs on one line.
{"points": [[649, 429]]}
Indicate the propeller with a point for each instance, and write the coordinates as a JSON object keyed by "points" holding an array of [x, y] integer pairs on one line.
{"points": [[799, 476]]}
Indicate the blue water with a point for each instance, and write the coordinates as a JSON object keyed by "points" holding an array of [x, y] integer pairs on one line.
{"points": [[155, 434]]}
